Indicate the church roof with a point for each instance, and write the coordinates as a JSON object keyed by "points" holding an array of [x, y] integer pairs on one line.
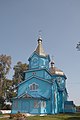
{"points": [[39, 50], [34, 94], [55, 70]]}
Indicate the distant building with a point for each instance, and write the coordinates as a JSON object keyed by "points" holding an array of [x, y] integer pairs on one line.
{"points": [[69, 107], [43, 90]]}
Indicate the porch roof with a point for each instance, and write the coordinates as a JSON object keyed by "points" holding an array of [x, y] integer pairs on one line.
{"points": [[36, 95]]}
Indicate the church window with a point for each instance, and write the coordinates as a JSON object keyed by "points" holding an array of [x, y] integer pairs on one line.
{"points": [[36, 105], [43, 104], [33, 86]]}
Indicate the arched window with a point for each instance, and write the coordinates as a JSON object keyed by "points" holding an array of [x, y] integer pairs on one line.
{"points": [[33, 86]]}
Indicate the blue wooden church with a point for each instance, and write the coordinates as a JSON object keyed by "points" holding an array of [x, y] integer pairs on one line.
{"points": [[43, 90]]}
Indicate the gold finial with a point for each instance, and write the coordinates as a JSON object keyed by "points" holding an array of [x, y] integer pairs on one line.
{"points": [[40, 31], [52, 57], [39, 38]]}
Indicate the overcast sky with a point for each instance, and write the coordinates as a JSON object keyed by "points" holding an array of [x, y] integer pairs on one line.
{"points": [[59, 21]]}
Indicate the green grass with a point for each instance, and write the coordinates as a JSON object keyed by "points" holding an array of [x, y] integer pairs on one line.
{"points": [[1, 115], [52, 117], [57, 117]]}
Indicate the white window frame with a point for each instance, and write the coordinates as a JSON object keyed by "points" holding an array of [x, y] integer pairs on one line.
{"points": [[43, 104], [33, 86]]}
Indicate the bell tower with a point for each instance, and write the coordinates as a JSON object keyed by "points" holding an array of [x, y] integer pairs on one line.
{"points": [[39, 59]]}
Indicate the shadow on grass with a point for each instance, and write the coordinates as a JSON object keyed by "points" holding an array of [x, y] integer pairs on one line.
{"points": [[73, 118]]}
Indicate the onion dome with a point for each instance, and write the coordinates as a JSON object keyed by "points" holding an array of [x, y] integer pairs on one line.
{"points": [[55, 70]]}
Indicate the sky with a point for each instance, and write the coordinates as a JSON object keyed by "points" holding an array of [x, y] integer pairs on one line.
{"points": [[59, 22]]}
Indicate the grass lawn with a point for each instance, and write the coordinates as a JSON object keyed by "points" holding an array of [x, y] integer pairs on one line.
{"points": [[52, 117], [57, 117]]}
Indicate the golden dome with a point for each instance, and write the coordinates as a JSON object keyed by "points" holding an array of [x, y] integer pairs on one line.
{"points": [[55, 70]]}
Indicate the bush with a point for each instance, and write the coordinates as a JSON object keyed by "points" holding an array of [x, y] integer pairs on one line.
{"points": [[0, 112], [18, 116], [1, 102], [7, 107]]}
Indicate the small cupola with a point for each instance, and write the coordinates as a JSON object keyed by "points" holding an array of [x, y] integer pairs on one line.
{"points": [[55, 70], [52, 64], [52, 68]]}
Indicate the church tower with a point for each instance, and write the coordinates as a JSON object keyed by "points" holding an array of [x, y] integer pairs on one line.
{"points": [[39, 59]]}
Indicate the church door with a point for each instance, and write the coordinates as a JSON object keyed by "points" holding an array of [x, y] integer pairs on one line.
{"points": [[25, 106]]}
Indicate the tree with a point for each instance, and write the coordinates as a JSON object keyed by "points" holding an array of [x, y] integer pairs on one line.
{"points": [[19, 69], [78, 46], [9, 90], [5, 65], [1, 102]]}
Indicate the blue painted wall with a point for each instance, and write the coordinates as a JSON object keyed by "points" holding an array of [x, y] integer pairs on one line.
{"points": [[36, 61]]}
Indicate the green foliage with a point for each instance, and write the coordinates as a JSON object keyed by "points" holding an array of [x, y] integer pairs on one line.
{"points": [[1, 102], [19, 69], [6, 94], [6, 107], [5, 65], [8, 87]]}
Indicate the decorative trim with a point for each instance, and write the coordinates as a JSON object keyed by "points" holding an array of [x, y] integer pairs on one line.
{"points": [[33, 76]]}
